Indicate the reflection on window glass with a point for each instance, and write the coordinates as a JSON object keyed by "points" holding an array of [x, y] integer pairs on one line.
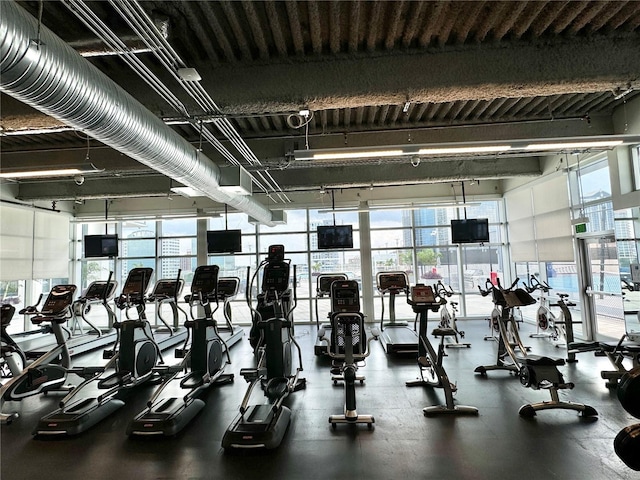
{"points": [[95, 269], [179, 228], [138, 229], [594, 181], [563, 277], [293, 242], [13, 293]]}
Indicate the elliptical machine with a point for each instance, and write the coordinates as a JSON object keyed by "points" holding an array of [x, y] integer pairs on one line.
{"points": [[99, 292], [432, 372], [131, 363], [264, 425], [348, 345], [175, 402], [49, 372], [12, 358]]}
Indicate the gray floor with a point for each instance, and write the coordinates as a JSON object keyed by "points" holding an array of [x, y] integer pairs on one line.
{"points": [[496, 444]]}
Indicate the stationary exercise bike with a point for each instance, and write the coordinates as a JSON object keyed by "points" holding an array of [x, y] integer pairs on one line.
{"points": [[448, 319], [131, 363], [348, 345], [432, 373], [176, 402], [534, 371], [12, 357], [264, 425], [49, 372]]}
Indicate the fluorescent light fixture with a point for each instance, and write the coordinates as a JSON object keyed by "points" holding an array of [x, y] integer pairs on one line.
{"points": [[465, 148], [400, 207], [358, 154], [146, 218], [187, 192], [469, 149], [573, 144], [51, 172]]}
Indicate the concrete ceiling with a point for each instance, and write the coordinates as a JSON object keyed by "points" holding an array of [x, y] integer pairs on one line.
{"points": [[370, 73]]}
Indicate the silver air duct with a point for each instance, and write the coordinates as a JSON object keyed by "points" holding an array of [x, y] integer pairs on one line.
{"points": [[53, 78]]}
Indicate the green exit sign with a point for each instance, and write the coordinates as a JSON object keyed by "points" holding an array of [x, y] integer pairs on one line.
{"points": [[580, 228]]}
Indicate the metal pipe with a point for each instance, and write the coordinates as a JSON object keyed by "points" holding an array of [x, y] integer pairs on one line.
{"points": [[52, 77]]}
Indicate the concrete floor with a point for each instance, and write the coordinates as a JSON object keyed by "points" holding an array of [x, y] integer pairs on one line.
{"points": [[496, 444]]}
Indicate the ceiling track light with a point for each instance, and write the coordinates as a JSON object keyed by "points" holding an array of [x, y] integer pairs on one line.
{"points": [[66, 171], [373, 208], [513, 147]]}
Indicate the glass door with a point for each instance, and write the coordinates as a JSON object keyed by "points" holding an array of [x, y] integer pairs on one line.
{"points": [[604, 300]]}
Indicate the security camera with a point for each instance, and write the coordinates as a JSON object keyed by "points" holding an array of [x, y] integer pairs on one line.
{"points": [[79, 179]]}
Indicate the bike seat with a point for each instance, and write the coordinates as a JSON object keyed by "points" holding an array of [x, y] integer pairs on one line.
{"points": [[443, 332]]}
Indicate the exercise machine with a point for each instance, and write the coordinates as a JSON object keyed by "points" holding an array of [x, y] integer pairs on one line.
{"points": [[348, 345], [166, 292], [545, 320], [395, 336], [548, 325], [323, 290], [432, 373], [623, 354], [49, 372], [227, 290], [534, 371], [264, 425], [12, 358], [79, 340], [448, 320], [627, 442], [275, 297], [175, 402], [131, 363]]}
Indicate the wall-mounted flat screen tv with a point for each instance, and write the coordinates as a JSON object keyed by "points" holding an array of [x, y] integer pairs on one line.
{"points": [[100, 246], [335, 236], [471, 230], [224, 241]]}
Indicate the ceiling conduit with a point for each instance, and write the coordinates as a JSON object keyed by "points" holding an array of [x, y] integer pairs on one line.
{"points": [[50, 76]]}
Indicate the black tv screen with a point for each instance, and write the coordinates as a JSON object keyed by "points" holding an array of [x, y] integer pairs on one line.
{"points": [[224, 241], [472, 230], [335, 236], [100, 246]]}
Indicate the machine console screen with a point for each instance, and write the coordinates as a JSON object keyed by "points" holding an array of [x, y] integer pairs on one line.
{"points": [[422, 294], [205, 279], [276, 277], [392, 281], [96, 290], [325, 281], [345, 296], [137, 281], [167, 288], [59, 298], [228, 287]]}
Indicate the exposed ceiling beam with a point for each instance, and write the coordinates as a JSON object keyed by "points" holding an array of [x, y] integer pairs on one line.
{"points": [[442, 75]]}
